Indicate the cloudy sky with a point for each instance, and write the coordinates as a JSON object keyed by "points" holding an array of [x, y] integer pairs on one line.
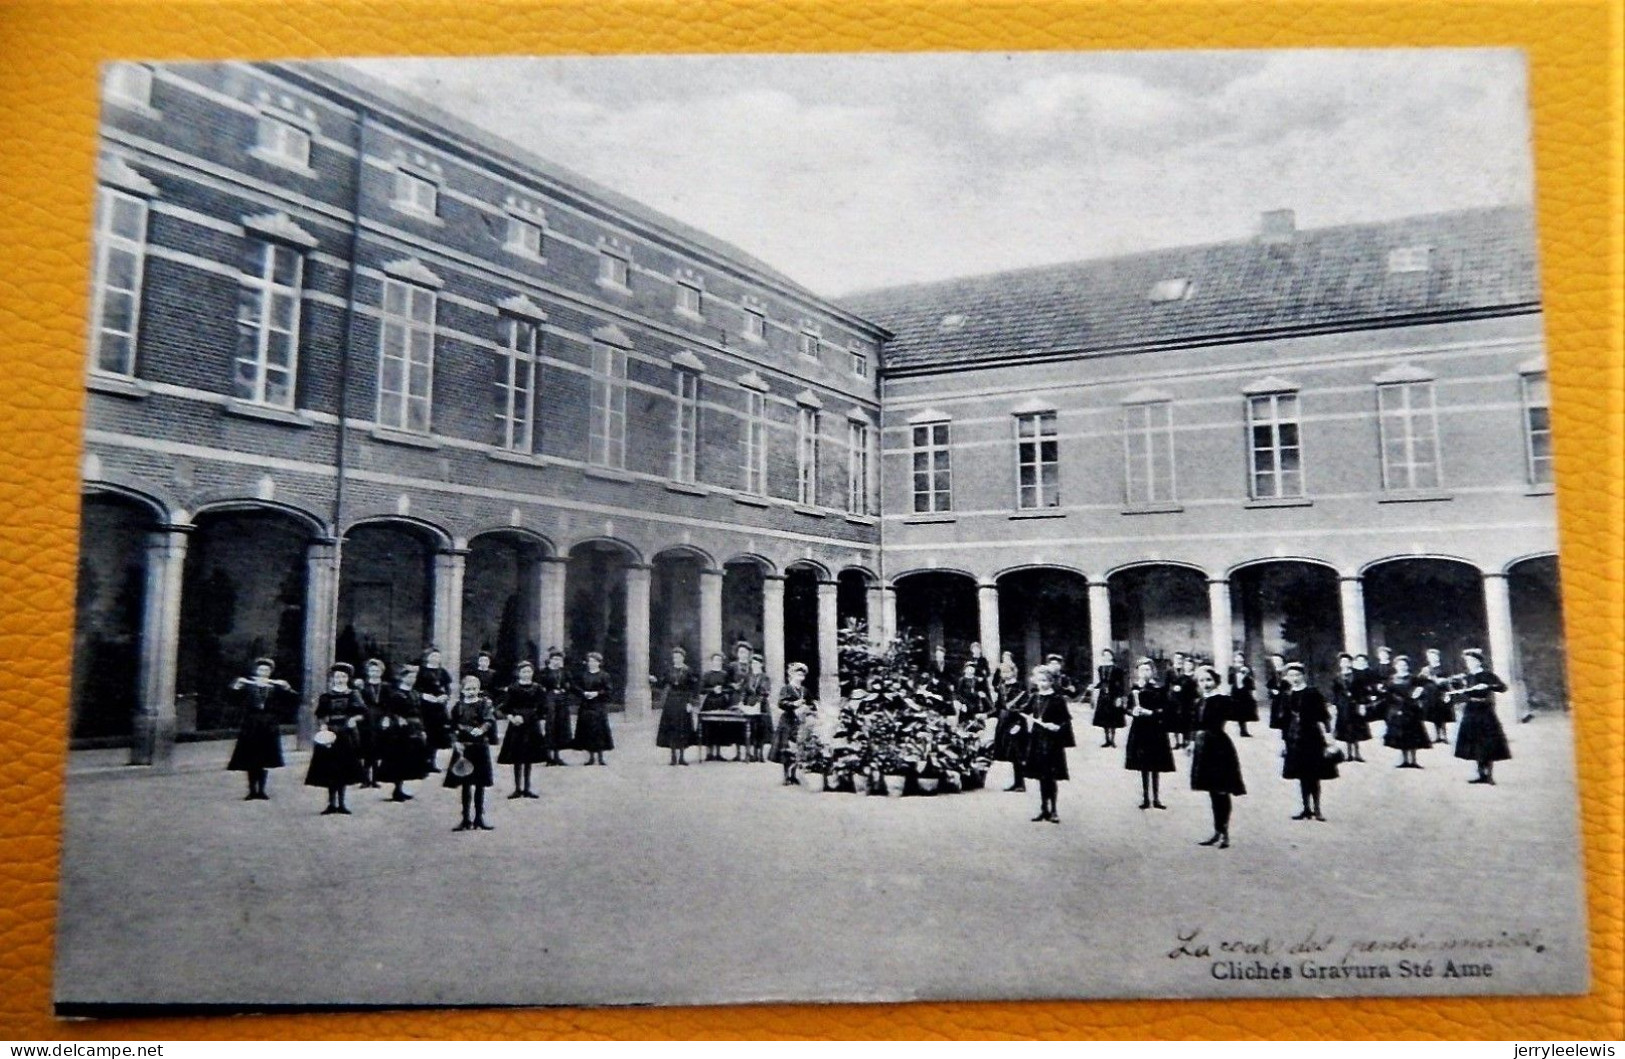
{"points": [[851, 172]]}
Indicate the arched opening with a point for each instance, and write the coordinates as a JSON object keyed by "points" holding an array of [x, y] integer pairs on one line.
{"points": [[386, 582], [1414, 604], [110, 593], [1537, 632], [502, 598], [852, 601], [595, 609], [1160, 608], [242, 597], [938, 608], [1044, 611], [1287, 607], [801, 618], [674, 607], [741, 605]]}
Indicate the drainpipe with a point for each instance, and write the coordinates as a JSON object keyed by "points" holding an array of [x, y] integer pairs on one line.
{"points": [[341, 451]]}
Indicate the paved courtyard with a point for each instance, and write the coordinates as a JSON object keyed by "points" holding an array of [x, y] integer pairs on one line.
{"points": [[641, 883]]}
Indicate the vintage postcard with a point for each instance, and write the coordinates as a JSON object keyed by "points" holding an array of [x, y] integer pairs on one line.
{"points": [[696, 530]]}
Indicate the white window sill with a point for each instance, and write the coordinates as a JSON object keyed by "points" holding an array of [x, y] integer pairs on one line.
{"points": [[282, 161], [1282, 501], [810, 512], [1048, 512], [607, 474], [1414, 496], [690, 315], [117, 385], [416, 214], [687, 489], [1543, 489], [930, 520], [1168, 507], [613, 287], [291, 417], [755, 340], [521, 252], [751, 500], [525, 459], [861, 520], [401, 437]]}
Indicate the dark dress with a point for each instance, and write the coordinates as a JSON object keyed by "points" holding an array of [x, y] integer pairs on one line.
{"points": [[1010, 735], [676, 731], [1352, 725], [1276, 688], [1243, 695], [1214, 764], [592, 719], [1481, 737], [1407, 726], [474, 726], [1046, 750], [1306, 711], [555, 687], [259, 739], [1436, 706], [339, 763], [401, 742], [1366, 686], [1110, 682], [372, 697], [1146, 748], [487, 679], [434, 714], [524, 742], [1184, 699], [784, 736], [972, 695], [753, 694]]}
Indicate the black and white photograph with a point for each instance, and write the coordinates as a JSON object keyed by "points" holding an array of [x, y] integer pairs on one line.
{"points": [[690, 530]]}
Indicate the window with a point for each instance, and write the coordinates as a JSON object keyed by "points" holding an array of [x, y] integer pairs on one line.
{"points": [[515, 377], [809, 345], [807, 424], [1277, 459], [686, 442], [121, 249], [1537, 413], [268, 324], [1410, 436], [524, 237], [282, 141], [130, 84], [690, 298], [1038, 463], [857, 467], [416, 194], [860, 361], [932, 473], [1410, 259], [614, 270], [406, 357], [755, 327], [1170, 290], [755, 442], [1148, 452], [606, 438]]}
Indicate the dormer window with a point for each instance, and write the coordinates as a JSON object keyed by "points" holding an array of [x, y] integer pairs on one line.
{"points": [[860, 360], [130, 84], [951, 322], [810, 344], [690, 298], [279, 139], [754, 327], [524, 237], [1170, 290], [1410, 259], [417, 194], [614, 270]]}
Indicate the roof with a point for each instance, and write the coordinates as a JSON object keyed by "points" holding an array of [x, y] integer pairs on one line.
{"points": [[1478, 262]]}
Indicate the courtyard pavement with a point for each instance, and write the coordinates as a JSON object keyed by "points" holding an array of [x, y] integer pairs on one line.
{"points": [[642, 883]]}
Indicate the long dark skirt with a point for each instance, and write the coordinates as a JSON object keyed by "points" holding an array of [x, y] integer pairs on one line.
{"points": [[259, 743], [1109, 713], [592, 729], [675, 732], [523, 744], [1481, 737], [1406, 728], [1215, 766], [784, 739], [402, 750], [1351, 725], [338, 764], [478, 755], [1146, 748], [1046, 756], [558, 726]]}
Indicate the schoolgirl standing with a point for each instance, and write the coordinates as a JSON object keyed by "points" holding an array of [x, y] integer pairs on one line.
{"points": [[1480, 737], [1351, 727], [1308, 756], [1243, 693], [473, 728], [261, 698], [716, 693], [371, 689], [1146, 749], [752, 698], [1108, 689], [1215, 766], [1275, 685], [335, 759], [435, 691], [676, 730], [1011, 734], [1047, 744], [556, 695], [792, 697], [524, 743], [593, 688], [481, 668], [971, 692], [1437, 707], [1407, 730], [401, 740]]}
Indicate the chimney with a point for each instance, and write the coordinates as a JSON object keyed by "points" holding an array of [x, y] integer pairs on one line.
{"points": [[1276, 227]]}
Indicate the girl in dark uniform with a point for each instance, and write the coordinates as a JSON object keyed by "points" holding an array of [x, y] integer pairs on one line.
{"points": [[1215, 767], [1011, 734], [1351, 727], [371, 690], [971, 694], [752, 698], [335, 759], [1407, 730], [261, 699], [556, 694], [1275, 686], [1047, 744], [716, 693], [1367, 688], [791, 698], [1243, 693], [1480, 737], [472, 726], [1385, 664], [593, 689], [1308, 754], [676, 730], [1437, 707], [435, 690], [481, 668], [1108, 692], [524, 743], [1146, 749], [401, 740]]}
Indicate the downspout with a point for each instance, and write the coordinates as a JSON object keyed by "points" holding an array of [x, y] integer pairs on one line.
{"points": [[341, 447]]}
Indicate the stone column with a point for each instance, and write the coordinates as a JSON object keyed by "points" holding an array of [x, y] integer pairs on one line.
{"points": [[888, 610], [1502, 648], [773, 628], [874, 608], [1100, 623], [446, 621], [1218, 606], [154, 728], [1352, 591], [321, 627], [710, 618], [638, 699], [550, 616], [987, 609], [829, 644]]}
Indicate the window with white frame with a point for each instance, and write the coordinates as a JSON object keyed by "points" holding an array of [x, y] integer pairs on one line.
{"points": [[416, 194], [857, 467], [606, 434], [614, 269], [690, 298], [755, 442], [121, 253], [267, 361], [860, 360], [524, 237], [1038, 461], [686, 427], [810, 343], [1410, 436], [515, 378], [1537, 420], [406, 357], [755, 325], [808, 421], [933, 473], [282, 140], [1276, 452], [130, 84], [1148, 452]]}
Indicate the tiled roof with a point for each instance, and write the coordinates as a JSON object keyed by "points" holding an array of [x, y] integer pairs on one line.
{"points": [[1478, 262]]}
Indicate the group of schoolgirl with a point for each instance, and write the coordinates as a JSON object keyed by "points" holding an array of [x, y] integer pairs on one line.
{"points": [[741, 691]]}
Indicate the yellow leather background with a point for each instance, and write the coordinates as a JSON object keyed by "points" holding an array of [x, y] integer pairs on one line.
{"points": [[48, 55]]}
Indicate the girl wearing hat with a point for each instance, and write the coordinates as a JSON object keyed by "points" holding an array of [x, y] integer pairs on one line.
{"points": [[676, 729], [556, 692], [371, 690], [260, 698], [435, 690], [1215, 767], [401, 741], [1108, 692], [592, 719], [791, 698], [1407, 728], [1146, 749], [753, 699], [1243, 693], [1480, 737], [473, 728], [1309, 753], [1437, 709], [716, 693], [481, 667], [1047, 743], [335, 760], [1351, 728], [524, 742]]}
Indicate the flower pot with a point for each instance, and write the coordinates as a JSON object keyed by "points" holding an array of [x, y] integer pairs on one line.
{"points": [[894, 784], [928, 784], [813, 782], [952, 782], [975, 780]]}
